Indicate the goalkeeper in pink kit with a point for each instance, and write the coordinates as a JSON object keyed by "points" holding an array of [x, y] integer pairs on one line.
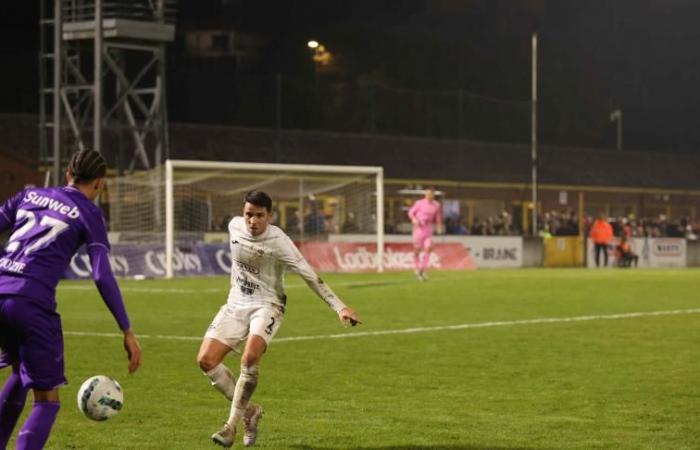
{"points": [[423, 214]]}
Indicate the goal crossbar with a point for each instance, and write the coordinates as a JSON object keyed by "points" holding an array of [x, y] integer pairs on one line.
{"points": [[227, 165]]}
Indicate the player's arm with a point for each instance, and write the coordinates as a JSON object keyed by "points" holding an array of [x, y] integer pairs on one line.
{"points": [[295, 261], [98, 250], [8, 211], [412, 214], [109, 290]]}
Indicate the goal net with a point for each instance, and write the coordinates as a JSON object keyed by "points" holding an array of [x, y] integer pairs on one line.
{"points": [[186, 204]]}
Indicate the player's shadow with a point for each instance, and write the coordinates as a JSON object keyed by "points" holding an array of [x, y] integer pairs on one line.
{"points": [[419, 447]]}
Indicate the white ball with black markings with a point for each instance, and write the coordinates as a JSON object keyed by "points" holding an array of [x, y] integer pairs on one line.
{"points": [[100, 397]]}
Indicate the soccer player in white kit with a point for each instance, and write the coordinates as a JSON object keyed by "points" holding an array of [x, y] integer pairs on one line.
{"points": [[260, 254]]}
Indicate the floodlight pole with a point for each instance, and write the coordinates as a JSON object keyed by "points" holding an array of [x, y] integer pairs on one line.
{"points": [[616, 116], [97, 83], [57, 71], [534, 134]]}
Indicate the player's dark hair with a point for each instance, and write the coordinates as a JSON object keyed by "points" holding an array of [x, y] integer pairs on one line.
{"points": [[87, 165], [259, 198]]}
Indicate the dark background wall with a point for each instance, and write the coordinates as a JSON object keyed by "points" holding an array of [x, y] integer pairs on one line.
{"points": [[402, 157]]}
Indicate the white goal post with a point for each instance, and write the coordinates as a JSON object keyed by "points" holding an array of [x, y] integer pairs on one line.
{"points": [[354, 195]]}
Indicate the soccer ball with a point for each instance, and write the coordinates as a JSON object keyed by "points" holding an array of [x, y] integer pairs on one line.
{"points": [[100, 397]]}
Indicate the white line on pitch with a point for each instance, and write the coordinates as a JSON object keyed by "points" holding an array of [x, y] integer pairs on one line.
{"points": [[463, 326], [224, 288]]}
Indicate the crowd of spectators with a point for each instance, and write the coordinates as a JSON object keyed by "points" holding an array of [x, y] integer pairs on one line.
{"points": [[551, 223], [567, 223], [658, 226]]}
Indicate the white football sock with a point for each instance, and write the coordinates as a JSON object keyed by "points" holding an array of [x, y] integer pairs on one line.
{"points": [[245, 387], [223, 380]]}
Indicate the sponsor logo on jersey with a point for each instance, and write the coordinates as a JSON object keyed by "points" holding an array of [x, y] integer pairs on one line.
{"points": [[247, 267], [257, 251], [247, 287], [50, 203]]}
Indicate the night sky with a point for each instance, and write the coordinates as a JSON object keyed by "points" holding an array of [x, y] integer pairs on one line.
{"points": [[642, 56]]}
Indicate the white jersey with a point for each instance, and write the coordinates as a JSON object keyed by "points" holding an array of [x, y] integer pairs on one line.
{"points": [[258, 264]]}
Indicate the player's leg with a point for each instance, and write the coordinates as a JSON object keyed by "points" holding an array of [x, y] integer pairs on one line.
{"points": [[14, 393], [36, 429], [210, 359], [605, 254], [417, 246], [425, 262], [245, 386], [12, 399], [264, 324], [248, 379], [40, 353], [597, 254], [226, 331]]}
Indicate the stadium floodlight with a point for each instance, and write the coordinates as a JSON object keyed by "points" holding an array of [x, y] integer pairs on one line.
{"points": [[312, 44]]}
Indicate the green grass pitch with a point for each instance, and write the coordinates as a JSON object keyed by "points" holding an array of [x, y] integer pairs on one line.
{"points": [[605, 380]]}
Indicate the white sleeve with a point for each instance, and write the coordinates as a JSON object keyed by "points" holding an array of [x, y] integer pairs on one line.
{"points": [[292, 258]]}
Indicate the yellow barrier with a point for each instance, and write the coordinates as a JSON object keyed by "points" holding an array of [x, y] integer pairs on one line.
{"points": [[563, 251]]}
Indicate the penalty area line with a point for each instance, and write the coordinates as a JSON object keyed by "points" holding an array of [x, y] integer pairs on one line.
{"points": [[465, 326]]}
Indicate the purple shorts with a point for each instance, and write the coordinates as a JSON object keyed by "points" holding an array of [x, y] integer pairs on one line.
{"points": [[31, 335], [422, 238]]}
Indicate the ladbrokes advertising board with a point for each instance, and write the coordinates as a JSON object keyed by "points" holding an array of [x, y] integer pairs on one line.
{"points": [[148, 261], [353, 257]]}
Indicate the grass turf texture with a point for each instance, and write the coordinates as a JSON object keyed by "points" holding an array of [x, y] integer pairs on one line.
{"points": [[626, 383]]}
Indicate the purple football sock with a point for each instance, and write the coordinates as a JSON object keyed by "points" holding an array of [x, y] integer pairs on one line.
{"points": [[12, 400], [36, 429]]}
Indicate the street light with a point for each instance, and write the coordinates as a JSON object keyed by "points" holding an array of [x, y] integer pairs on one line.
{"points": [[616, 115], [321, 56]]}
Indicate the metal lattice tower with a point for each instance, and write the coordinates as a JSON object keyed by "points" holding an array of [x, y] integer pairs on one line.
{"points": [[106, 88]]}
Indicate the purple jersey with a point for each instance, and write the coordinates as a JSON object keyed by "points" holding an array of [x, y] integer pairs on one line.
{"points": [[48, 226]]}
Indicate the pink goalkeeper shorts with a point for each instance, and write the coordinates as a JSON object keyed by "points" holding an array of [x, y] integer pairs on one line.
{"points": [[422, 238]]}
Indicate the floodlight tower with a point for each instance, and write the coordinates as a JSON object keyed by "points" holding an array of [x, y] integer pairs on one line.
{"points": [[102, 78]]}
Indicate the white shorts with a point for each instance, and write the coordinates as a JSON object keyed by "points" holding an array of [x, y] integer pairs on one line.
{"points": [[232, 325]]}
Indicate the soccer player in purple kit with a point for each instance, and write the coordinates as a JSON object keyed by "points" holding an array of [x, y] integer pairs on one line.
{"points": [[48, 226], [423, 214]]}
